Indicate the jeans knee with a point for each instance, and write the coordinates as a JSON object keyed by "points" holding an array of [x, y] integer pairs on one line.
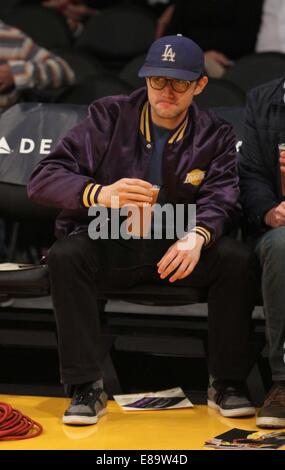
{"points": [[68, 251], [271, 247]]}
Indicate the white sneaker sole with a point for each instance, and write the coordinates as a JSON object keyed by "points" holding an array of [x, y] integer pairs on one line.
{"points": [[236, 413], [267, 422], [83, 420]]}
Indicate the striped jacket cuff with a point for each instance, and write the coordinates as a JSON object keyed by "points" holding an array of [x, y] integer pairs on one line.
{"points": [[91, 193], [203, 232]]}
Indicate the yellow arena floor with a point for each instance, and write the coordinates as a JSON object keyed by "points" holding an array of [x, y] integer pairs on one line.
{"points": [[120, 430]]}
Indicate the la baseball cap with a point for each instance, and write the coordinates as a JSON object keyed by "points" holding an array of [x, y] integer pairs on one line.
{"points": [[174, 56]]}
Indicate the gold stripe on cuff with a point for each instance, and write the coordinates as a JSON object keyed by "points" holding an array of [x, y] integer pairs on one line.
{"points": [[92, 194], [85, 194], [202, 231]]}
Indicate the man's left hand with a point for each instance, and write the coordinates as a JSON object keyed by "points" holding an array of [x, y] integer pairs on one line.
{"points": [[6, 77], [181, 258]]}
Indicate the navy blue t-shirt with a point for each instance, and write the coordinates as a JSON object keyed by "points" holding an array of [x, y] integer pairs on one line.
{"points": [[160, 136]]}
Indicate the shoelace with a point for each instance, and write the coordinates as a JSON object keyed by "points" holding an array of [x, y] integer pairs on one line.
{"points": [[229, 389], [233, 391], [277, 393], [14, 425], [89, 394]]}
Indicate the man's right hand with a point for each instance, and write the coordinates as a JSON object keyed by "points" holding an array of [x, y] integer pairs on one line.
{"points": [[275, 217], [126, 191]]}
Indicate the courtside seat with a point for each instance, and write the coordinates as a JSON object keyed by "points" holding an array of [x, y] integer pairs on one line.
{"points": [[24, 280], [33, 281], [29, 280]]}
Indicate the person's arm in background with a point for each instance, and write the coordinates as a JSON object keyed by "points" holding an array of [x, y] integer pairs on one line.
{"points": [[174, 20], [25, 65], [257, 179], [275, 217], [242, 33], [226, 29], [281, 32], [75, 11], [164, 20]]}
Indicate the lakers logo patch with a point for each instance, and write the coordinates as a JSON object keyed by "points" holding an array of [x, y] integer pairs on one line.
{"points": [[195, 177]]}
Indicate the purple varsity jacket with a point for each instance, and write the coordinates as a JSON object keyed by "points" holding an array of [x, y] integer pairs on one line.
{"points": [[199, 164]]}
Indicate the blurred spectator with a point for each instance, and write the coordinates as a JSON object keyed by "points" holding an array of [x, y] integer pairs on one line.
{"points": [[76, 12], [155, 6], [6, 5], [164, 20], [225, 29], [271, 36], [262, 175], [25, 66]]}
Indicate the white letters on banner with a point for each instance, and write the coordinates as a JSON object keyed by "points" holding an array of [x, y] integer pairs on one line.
{"points": [[26, 146]]}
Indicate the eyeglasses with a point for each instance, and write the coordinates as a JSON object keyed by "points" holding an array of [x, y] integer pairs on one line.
{"points": [[158, 83]]}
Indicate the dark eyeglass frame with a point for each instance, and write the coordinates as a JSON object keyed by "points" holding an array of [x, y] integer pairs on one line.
{"points": [[172, 81]]}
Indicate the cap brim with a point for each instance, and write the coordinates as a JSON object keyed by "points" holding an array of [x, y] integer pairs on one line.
{"points": [[148, 71]]}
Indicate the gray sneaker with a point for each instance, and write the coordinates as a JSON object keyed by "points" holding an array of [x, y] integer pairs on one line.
{"points": [[272, 413], [230, 399], [87, 406]]}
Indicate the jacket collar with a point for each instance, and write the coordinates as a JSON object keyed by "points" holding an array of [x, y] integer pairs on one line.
{"points": [[145, 126], [279, 93]]}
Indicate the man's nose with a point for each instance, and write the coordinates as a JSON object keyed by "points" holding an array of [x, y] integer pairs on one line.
{"points": [[168, 90]]}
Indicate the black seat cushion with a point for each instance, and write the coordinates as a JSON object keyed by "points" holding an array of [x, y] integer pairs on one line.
{"points": [[33, 280], [30, 281]]}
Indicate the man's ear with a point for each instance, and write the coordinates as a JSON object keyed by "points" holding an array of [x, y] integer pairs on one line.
{"points": [[200, 85]]}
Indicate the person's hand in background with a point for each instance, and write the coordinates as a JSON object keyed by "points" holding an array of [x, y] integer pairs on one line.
{"points": [[275, 217], [6, 77]]}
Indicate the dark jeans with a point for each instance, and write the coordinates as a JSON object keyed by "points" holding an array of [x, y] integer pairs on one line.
{"points": [[270, 250], [79, 265]]}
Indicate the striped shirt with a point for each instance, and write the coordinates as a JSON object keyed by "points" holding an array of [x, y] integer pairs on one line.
{"points": [[31, 66]]}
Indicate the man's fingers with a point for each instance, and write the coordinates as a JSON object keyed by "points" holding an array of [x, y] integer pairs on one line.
{"points": [[132, 203], [138, 182], [280, 212], [171, 266], [138, 196], [166, 259], [182, 273], [279, 215], [189, 270]]}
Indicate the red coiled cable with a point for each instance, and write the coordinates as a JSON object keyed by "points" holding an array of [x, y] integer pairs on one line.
{"points": [[14, 425]]}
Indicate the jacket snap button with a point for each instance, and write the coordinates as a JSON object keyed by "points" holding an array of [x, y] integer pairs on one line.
{"points": [[148, 146]]}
